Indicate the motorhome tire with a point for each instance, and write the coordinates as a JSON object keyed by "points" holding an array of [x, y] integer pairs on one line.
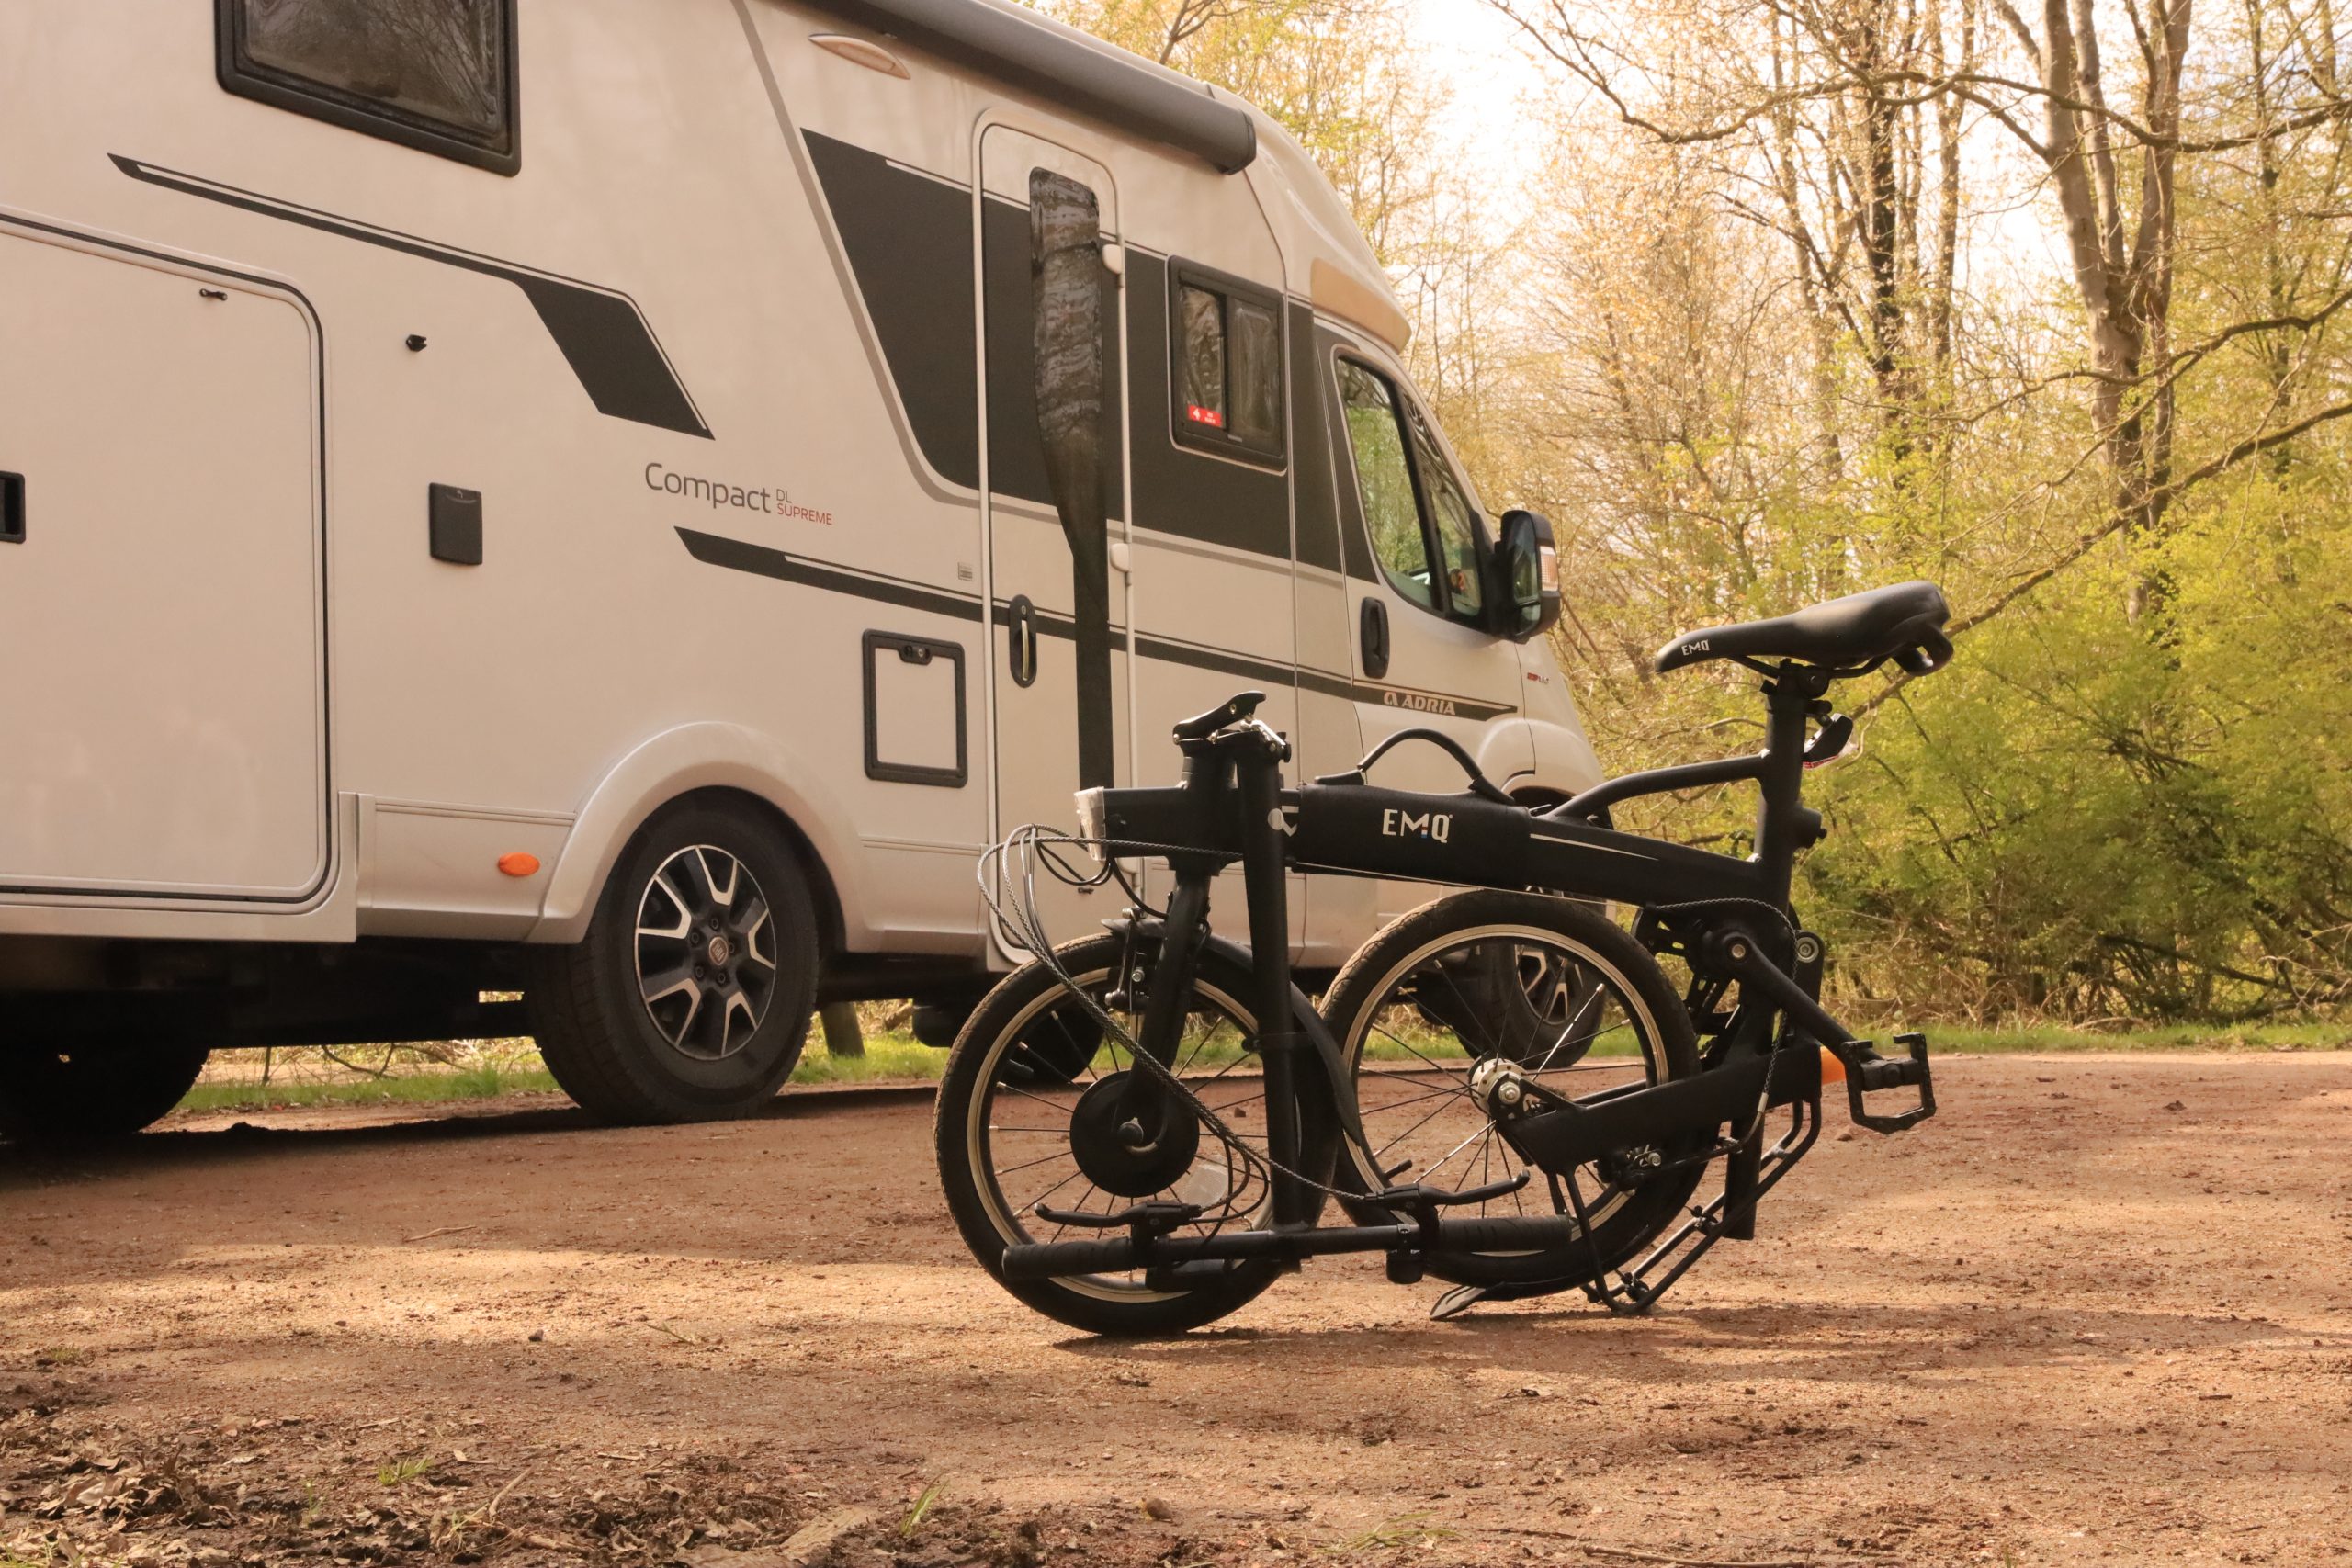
{"points": [[689, 999], [93, 1090]]}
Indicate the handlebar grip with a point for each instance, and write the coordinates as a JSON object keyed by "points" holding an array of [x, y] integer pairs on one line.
{"points": [[1235, 709], [1507, 1233], [1052, 1260]]}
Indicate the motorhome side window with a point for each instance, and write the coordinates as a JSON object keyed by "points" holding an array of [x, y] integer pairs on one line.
{"points": [[1423, 532], [1226, 355], [437, 75]]}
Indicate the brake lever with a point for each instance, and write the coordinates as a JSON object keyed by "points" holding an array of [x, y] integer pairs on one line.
{"points": [[1421, 1195]]}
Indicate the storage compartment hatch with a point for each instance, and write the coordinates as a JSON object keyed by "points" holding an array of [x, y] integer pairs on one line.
{"points": [[162, 728]]}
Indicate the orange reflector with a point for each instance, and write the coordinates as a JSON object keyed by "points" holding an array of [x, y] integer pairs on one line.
{"points": [[1832, 1069], [517, 863]]}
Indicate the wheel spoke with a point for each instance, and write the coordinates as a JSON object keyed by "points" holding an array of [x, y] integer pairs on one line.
{"points": [[684, 929], [691, 991], [722, 894], [758, 938], [736, 1004]]}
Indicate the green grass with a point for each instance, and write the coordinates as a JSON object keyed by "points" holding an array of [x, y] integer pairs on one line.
{"points": [[887, 1056], [900, 1058], [424, 1087], [401, 1471], [2168, 1037]]}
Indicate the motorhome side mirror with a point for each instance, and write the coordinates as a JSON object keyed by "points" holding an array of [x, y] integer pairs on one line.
{"points": [[1529, 570]]}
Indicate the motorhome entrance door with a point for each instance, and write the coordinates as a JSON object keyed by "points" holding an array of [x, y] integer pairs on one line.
{"points": [[1055, 491]]}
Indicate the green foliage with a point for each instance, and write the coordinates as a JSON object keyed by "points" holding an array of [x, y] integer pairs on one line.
{"points": [[1758, 333]]}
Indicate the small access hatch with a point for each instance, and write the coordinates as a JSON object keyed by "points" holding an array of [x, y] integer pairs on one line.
{"points": [[914, 711]]}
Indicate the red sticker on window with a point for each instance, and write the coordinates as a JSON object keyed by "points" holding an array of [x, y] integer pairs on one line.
{"points": [[1210, 417]]}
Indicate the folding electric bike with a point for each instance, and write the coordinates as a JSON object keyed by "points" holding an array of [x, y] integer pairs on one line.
{"points": [[1139, 1129]]}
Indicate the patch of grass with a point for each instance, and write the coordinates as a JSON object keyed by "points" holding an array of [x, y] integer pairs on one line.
{"points": [[430, 1087], [401, 1471], [913, 1521], [1406, 1529], [2137, 1037], [887, 1056]]}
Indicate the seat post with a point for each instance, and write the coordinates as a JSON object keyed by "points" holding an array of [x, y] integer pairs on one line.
{"points": [[1790, 694]]}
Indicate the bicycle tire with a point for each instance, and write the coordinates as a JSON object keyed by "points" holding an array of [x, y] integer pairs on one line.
{"points": [[990, 1221], [1370, 983]]}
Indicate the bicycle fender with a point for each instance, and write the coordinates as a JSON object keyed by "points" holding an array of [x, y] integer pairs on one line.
{"points": [[1327, 1049]]}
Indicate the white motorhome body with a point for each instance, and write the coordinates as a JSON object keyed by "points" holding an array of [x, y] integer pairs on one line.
{"points": [[446, 441]]}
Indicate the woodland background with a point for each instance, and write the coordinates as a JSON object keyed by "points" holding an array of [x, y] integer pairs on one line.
{"points": [[1782, 298]]}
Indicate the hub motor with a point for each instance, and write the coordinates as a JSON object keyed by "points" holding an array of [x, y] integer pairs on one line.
{"points": [[1132, 1154]]}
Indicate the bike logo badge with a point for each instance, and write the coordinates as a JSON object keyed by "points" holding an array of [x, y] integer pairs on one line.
{"points": [[1436, 826], [1691, 648]]}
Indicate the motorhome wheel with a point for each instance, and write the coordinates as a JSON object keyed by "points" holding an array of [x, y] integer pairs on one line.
{"points": [[93, 1090], [690, 998]]}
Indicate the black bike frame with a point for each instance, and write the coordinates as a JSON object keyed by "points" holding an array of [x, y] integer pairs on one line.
{"points": [[1231, 807], [1237, 810]]}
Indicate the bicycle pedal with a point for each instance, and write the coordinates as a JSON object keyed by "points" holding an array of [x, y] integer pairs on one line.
{"points": [[1867, 1071]]}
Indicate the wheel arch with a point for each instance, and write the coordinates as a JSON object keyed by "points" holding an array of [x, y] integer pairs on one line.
{"points": [[717, 762], [1564, 761]]}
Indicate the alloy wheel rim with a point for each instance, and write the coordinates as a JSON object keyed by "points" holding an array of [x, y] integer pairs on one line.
{"points": [[705, 949]]}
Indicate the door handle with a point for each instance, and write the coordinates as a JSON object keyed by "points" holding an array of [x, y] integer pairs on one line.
{"points": [[1373, 627], [12, 509], [1020, 627]]}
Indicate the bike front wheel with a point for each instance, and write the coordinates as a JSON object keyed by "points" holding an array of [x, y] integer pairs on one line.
{"points": [[1557, 991], [1029, 1119]]}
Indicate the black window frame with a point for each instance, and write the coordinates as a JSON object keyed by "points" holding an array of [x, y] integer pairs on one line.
{"points": [[241, 75], [1407, 411], [1221, 441]]}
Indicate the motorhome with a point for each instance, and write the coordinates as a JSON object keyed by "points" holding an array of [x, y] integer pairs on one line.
{"points": [[562, 498]]}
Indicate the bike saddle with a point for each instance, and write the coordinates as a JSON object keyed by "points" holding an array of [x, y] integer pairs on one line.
{"points": [[1858, 632]]}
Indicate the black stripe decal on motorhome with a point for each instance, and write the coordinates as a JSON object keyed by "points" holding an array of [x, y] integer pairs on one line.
{"points": [[601, 331], [714, 550], [908, 240], [761, 561]]}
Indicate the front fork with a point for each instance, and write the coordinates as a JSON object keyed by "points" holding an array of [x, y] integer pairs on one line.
{"points": [[1279, 1046], [1167, 1000]]}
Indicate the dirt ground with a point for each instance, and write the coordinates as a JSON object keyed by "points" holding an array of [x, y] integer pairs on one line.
{"points": [[2100, 1310]]}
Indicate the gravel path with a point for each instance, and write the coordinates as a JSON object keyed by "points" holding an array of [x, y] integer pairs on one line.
{"points": [[2099, 1310]]}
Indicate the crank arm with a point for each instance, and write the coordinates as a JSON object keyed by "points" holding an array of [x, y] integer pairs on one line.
{"points": [[1865, 1069]]}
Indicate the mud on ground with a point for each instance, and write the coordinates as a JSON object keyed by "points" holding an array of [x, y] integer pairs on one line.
{"points": [[2100, 1310]]}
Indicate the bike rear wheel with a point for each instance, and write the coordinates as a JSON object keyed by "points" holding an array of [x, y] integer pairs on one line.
{"points": [[1550, 986], [1022, 1123]]}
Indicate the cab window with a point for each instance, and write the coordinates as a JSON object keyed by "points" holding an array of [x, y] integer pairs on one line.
{"points": [[439, 75], [1385, 482], [1424, 534]]}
